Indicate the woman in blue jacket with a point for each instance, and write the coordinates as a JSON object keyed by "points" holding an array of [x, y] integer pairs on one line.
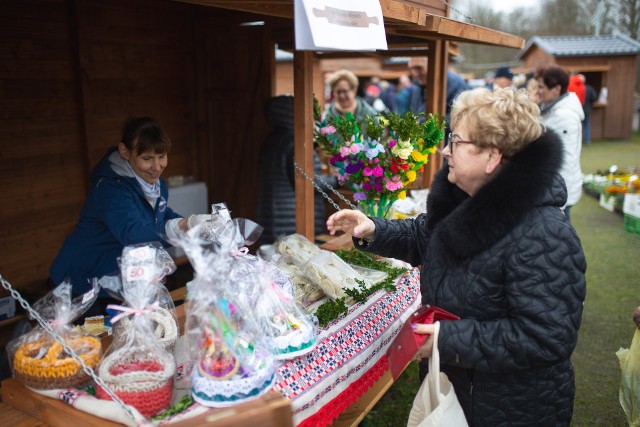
{"points": [[126, 204]]}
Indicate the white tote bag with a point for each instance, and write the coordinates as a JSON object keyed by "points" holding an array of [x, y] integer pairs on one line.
{"points": [[436, 404]]}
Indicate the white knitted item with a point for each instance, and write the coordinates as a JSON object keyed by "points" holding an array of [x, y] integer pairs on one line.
{"points": [[224, 393], [136, 381], [165, 327]]}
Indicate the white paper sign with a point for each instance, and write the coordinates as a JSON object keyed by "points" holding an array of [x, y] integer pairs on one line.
{"points": [[339, 25]]}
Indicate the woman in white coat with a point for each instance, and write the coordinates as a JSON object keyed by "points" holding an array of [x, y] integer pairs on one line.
{"points": [[562, 112]]}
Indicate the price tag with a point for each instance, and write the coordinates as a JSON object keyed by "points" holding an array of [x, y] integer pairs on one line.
{"points": [[88, 296], [138, 273]]}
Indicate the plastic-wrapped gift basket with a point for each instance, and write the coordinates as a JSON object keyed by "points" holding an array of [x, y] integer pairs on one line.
{"points": [[150, 263], [39, 361], [232, 364], [138, 369], [260, 288], [269, 294]]}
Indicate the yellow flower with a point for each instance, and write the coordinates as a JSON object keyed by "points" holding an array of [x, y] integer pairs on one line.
{"points": [[433, 149], [402, 195], [418, 156], [384, 122], [411, 176]]}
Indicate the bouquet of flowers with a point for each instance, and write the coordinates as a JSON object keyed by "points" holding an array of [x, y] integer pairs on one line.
{"points": [[380, 166]]}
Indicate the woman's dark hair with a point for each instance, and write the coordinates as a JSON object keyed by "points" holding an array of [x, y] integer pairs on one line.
{"points": [[553, 76], [142, 134]]}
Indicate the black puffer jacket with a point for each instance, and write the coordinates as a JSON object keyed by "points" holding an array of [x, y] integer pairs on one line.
{"points": [[511, 266]]}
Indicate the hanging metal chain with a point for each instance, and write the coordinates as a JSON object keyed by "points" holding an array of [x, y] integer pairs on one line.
{"points": [[16, 295], [325, 195]]}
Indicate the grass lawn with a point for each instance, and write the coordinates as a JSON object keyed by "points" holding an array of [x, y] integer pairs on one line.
{"points": [[613, 292]]}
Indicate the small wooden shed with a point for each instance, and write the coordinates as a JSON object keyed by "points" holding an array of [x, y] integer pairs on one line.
{"points": [[607, 61], [73, 70]]}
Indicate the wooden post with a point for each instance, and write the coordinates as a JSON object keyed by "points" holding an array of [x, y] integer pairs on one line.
{"points": [[303, 133], [436, 98]]}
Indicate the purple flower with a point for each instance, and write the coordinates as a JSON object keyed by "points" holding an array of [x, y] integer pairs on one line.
{"points": [[335, 159], [392, 143], [366, 186], [354, 167], [379, 187], [359, 196]]}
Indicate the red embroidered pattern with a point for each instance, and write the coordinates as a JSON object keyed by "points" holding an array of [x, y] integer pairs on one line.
{"points": [[350, 395]]}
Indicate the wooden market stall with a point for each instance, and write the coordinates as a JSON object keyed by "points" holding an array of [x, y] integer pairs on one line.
{"points": [[607, 61], [74, 70]]}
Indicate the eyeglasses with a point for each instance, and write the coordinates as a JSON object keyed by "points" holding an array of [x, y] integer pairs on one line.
{"points": [[454, 139], [343, 91]]}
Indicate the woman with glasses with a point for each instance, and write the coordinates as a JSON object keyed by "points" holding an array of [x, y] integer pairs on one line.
{"points": [[344, 88], [495, 249]]}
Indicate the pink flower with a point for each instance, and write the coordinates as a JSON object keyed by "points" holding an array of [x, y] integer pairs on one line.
{"points": [[393, 184], [392, 143], [328, 130], [367, 171]]}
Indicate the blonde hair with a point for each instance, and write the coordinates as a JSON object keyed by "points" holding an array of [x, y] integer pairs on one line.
{"points": [[503, 118], [346, 75]]}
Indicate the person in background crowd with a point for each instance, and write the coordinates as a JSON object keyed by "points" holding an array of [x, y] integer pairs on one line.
{"points": [[589, 98], [403, 94], [496, 250], [455, 86], [276, 189], [532, 90], [372, 97], [126, 204], [576, 85], [344, 85], [561, 111], [503, 78], [417, 100], [388, 94]]}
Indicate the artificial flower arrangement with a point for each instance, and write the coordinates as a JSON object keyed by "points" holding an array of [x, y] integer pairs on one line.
{"points": [[380, 166]]}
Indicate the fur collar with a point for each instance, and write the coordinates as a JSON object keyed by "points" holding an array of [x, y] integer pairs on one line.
{"points": [[464, 226]]}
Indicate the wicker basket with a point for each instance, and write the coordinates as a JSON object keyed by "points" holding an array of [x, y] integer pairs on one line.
{"points": [[44, 365], [139, 378]]}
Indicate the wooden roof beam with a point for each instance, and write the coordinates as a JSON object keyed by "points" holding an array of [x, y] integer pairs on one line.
{"points": [[439, 27]]}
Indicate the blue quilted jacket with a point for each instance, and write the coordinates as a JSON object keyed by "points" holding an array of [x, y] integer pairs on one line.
{"points": [[115, 214]]}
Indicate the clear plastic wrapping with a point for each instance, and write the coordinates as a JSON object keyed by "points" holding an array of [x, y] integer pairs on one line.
{"points": [[137, 367], [147, 263], [232, 364], [323, 268], [39, 361]]}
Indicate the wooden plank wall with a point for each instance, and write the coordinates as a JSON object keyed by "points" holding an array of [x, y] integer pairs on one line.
{"points": [[42, 161], [73, 70]]}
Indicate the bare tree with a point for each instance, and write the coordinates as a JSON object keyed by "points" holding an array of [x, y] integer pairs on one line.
{"points": [[628, 16]]}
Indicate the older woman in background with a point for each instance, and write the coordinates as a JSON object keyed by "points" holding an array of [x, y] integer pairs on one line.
{"points": [[344, 88], [496, 250]]}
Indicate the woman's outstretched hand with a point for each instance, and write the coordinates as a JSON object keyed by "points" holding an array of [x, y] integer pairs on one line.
{"points": [[352, 222], [427, 348]]}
